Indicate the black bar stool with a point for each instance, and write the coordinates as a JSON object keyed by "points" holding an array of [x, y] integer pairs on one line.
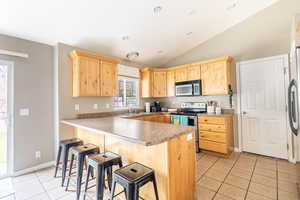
{"points": [[64, 146], [132, 177], [80, 152], [101, 162]]}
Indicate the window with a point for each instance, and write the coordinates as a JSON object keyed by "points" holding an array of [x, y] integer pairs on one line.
{"points": [[128, 94]]}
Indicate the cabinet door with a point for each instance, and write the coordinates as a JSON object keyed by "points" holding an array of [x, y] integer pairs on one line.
{"points": [[215, 78], [193, 72], [89, 77], [159, 84], [108, 79], [146, 84], [181, 74], [171, 83]]}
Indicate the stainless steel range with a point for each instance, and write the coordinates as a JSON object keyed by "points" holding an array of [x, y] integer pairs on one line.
{"points": [[188, 116]]}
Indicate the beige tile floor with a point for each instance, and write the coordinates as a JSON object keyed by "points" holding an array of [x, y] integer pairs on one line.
{"points": [[246, 177], [239, 177]]}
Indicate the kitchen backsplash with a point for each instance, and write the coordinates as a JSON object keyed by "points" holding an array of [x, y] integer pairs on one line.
{"points": [[174, 102]]}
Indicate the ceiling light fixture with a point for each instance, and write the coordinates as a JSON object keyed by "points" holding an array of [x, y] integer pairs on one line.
{"points": [[157, 10], [160, 52], [189, 33], [192, 12], [232, 6], [132, 55], [126, 37]]}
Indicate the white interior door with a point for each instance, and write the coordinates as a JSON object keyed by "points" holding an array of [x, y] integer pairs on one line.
{"points": [[5, 118], [263, 106]]}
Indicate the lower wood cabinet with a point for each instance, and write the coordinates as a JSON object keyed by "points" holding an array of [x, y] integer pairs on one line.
{"points": [[216, 133]]}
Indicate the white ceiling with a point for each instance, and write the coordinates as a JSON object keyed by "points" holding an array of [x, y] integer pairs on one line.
{"points": [[99, 25]]}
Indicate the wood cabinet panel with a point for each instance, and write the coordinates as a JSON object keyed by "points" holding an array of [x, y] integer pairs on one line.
{"points": [[171, 83], [215, 78], [212, 120], [181, 74], [213, 136], [194, 72], [214, 146], [159, 84], [93, 75], [212, 127], [108, 79], [146, 84]]}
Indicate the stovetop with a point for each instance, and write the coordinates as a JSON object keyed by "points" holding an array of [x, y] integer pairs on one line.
{"points": [[188, 113]]}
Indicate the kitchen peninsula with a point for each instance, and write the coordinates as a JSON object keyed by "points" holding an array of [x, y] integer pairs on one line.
{"points": [[168, 149]]}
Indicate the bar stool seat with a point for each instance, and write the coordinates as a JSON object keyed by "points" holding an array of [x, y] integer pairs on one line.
{"points": [[80, 152], [132, 177], [64, 147], [102, 163]]}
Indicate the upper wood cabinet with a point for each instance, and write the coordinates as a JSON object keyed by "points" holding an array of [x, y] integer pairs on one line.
{"points": [[153, 83], [181, 73], [216, 76], [93, 75], [159, 83], [193, 72], [170, 83]]}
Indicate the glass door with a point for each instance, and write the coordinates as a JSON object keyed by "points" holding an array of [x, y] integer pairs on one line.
{"points": [[5, 121]]}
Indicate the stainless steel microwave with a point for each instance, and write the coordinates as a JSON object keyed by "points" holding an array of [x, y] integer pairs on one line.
{"points": [[188, 88]]}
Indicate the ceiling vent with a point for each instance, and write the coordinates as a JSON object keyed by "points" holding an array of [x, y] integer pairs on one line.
{"points": [[132, 55]]}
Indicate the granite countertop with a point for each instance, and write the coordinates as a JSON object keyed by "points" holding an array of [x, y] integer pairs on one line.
{"points": [[142, 132]]}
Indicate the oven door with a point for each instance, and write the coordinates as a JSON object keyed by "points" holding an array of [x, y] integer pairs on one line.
{"points": [[184, 90]]}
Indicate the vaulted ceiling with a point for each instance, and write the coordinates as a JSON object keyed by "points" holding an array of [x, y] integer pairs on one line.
{"points": [[117, 27]]}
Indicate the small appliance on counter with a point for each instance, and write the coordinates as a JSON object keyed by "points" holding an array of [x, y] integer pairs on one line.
{"points": [[188, 117], [156, 107], [147, 107]]}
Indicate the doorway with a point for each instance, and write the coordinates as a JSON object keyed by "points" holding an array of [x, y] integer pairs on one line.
{"points": [[262, 106], [6, 104]]}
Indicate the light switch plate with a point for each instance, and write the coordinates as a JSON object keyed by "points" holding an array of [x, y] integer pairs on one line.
{"points": [[107, 105], [76, 107], [95, 106], [24, 112]]}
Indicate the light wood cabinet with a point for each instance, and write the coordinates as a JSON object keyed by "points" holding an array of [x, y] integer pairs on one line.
{"points": [[146, 83], [194, 72], [216, 77], [159, 84], [161, 118], [181, 73], [216, 133], [93, 75], [171, 83]]}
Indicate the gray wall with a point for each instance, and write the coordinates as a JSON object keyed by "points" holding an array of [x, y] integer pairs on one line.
{"points": [[33, 89], [67, 103]]}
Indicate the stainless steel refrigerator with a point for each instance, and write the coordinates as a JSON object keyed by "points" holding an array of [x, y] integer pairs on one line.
{"points": [[294, 91]]}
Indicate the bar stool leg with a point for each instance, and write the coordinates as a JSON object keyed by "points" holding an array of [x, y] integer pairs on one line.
{"points": [[112, 192], [64, 166], [130, 192], [87, 181], [136, 193], [80, 163], [57, 161], [155, 187], [109, 177], [70, 171], [100, 181]]}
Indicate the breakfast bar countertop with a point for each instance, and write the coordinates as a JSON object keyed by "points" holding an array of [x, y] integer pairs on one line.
{"points": [[141, 132]]}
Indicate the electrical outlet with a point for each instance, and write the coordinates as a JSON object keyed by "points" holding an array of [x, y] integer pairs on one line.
{"points": [[107, 105], [37, 155], [76, 107], [95, 106]]}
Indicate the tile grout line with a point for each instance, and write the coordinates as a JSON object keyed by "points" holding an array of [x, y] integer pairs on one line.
{"points": [[42, 185], [222, 182], [207, 169], [247, 191]]}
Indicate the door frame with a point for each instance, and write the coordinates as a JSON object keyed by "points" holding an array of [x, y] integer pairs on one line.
{"points": [[10, 110], [285, 58]]}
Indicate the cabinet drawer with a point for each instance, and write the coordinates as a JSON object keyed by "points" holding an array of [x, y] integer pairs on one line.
{"points": [[213, 146], [212, 120], [212, 127], [213, 136]]}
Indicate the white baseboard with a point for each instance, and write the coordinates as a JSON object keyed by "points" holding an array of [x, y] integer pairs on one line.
{"points": [[237, 149], [35, 168]]}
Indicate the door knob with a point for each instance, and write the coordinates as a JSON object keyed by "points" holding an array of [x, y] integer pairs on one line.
{"points": [[244, 113]]}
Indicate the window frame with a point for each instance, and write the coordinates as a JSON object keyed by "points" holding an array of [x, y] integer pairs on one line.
{"points": [[125, 79]]}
